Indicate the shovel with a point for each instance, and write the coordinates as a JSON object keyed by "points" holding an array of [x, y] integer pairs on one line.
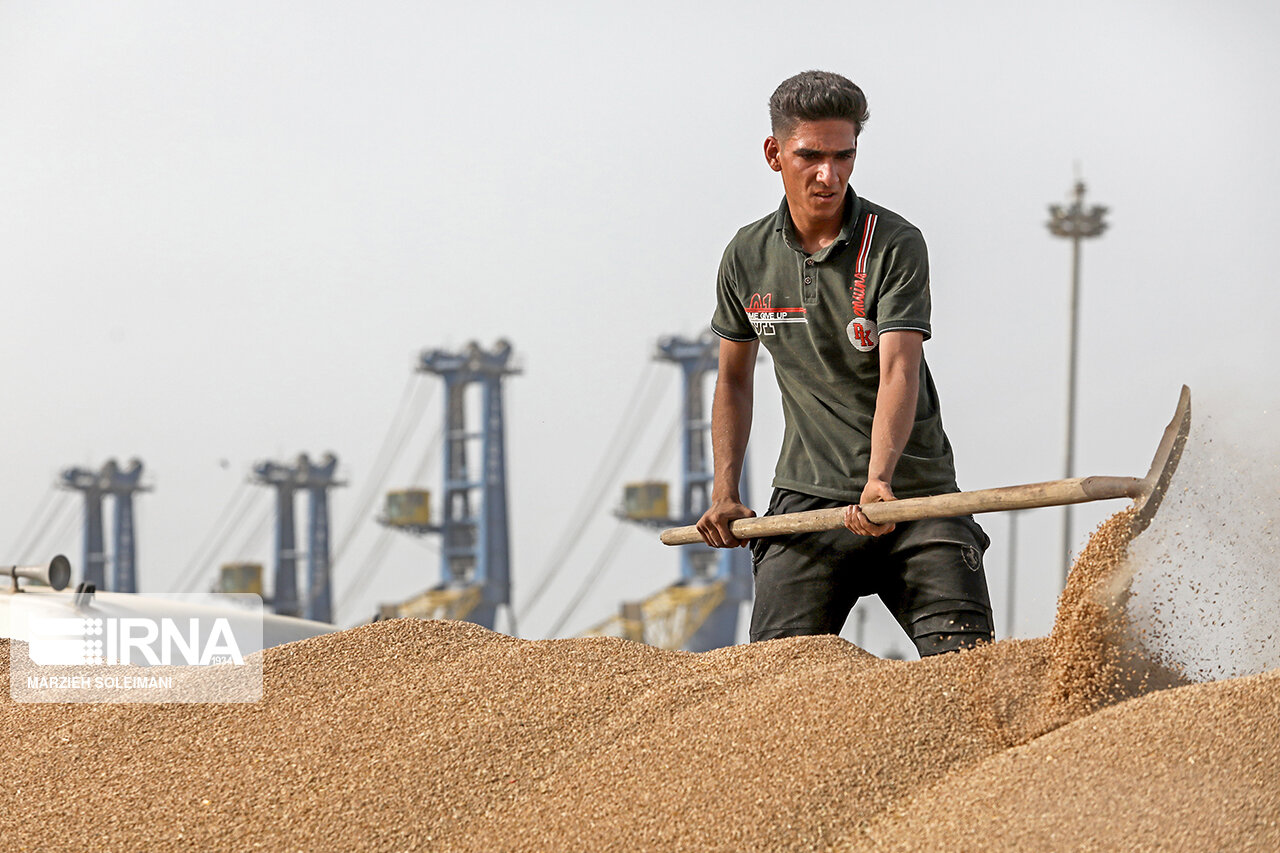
{"points": [[1146, 493]]}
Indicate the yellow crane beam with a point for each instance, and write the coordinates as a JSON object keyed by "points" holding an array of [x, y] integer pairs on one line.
{"points": [[667, 619], [450, 603]]}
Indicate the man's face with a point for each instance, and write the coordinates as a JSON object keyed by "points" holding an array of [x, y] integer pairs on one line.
{"points": [[816, 161]]}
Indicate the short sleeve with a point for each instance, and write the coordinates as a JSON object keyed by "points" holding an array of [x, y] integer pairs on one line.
{"points": [[903, 301], [730, 319]]}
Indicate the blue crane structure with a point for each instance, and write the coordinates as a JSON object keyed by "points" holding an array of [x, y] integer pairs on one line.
{"points": [[317, 478], [121, 485], [475, 550], [89, 483], [287, 480], [282, 478], [701, 611]]}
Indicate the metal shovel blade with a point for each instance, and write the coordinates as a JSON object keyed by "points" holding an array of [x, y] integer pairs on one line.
{"points": [[1168, 455]]}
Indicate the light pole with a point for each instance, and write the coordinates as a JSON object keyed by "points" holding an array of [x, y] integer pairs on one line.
{"points": [[1078, 223]]}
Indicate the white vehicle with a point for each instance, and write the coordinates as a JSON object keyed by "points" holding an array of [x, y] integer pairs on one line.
{"points": [[45, 595]]}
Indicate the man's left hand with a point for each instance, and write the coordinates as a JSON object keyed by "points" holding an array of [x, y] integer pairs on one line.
{"points": [[856, 520]]}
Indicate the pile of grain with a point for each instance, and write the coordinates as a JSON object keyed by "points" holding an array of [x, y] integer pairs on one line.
{"points": [[1187, 769], [444, 736]]}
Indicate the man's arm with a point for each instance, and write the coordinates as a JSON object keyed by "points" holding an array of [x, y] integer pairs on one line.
{"points": [[730, 427], [900, 355]]}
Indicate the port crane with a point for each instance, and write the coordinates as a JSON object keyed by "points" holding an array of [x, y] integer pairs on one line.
{"points": [[121, 485], [316, 479], [473, 529], [700, 611]]}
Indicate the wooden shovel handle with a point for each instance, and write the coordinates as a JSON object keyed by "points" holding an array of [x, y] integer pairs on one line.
{"points": [[1052, 493]]}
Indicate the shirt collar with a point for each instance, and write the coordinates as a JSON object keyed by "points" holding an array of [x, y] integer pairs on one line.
{"points": [[852, 210]]}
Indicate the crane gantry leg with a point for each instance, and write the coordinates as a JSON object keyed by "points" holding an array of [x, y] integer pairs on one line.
{"points": [[701, 611], [475, 553]]}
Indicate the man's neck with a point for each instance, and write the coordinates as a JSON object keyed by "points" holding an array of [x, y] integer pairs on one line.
{"points": [[814, 235]]}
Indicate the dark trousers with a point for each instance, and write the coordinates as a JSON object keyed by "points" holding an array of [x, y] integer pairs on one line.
{"points": [[928, 573]]}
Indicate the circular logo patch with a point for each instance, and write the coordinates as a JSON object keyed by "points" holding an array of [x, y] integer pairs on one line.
{"points": [[862, 334]]}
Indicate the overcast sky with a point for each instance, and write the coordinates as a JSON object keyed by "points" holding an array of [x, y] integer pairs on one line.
{"points": [[227, 229]]}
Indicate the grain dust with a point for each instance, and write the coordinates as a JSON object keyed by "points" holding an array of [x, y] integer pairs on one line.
{"points": [[1205, 598]]}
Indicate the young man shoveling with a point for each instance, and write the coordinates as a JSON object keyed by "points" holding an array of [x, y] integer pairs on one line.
{"points": [[837, 289]]}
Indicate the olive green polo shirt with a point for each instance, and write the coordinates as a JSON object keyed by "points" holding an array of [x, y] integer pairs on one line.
{"points": [[820, 317]]}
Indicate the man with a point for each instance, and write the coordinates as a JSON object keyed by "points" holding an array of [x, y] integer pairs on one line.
{"points": [[837, 288]]}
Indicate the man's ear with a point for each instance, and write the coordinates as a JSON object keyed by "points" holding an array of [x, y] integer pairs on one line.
{"points": [[773, 154]]}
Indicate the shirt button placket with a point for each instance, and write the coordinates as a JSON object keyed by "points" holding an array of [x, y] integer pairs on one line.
{"points": [[810, 289]]}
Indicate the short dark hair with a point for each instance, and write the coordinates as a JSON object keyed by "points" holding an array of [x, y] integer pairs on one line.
{"points": [[813, 96]]}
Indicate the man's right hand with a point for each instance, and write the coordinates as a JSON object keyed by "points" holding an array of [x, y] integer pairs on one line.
{"points": [[714, 524]]}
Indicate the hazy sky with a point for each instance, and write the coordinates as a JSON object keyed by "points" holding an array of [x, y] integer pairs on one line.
{"points": [[229, 227]]}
